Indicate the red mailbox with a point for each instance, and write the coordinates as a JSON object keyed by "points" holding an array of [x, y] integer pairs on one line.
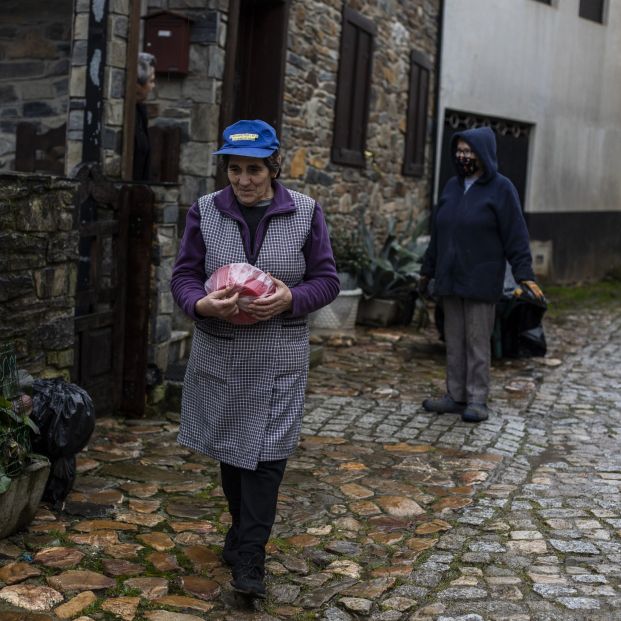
{"points": [[167, 37]]}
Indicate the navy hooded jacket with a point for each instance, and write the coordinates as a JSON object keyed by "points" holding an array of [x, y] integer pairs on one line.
{"points": [[474, 233]]}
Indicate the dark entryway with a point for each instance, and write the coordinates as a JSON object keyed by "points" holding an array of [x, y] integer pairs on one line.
{"points": [[512, 139], [255, 61], [112, 292]]}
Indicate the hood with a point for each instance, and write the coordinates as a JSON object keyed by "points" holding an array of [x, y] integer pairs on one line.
{"points": [[483, 142]]}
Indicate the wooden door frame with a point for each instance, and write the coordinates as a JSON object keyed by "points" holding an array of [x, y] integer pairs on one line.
{"points": [[131, 78]]}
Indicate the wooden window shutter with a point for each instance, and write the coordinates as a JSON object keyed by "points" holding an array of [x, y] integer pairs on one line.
{"points": [[416, 128], [353, 89]]}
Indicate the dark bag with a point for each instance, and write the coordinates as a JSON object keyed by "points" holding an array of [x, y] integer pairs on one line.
{"points": [[65, 415], [61, 480]]}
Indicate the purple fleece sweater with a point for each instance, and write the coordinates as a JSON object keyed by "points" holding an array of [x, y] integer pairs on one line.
{"points": [[319, 287]]}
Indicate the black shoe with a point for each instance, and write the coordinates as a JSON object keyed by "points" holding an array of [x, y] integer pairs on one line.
{"points": [[249, 576], [475, 413], [443, 405], [229, 552]]}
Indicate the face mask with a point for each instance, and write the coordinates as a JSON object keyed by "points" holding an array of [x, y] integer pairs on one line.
{"points": [[466, 166]]}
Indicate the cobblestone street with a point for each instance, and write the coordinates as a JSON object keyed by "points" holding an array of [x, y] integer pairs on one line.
{"points": [[386, 512]]}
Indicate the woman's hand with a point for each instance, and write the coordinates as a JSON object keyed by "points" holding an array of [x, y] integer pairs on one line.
{"points": [[218, 304], [272, 305]]}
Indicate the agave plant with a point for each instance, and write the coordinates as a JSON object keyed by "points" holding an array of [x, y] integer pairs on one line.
{"points": [[393, 270]]}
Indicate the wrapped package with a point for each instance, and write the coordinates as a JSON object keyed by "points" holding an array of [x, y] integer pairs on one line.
{"points": [[249, 281]]}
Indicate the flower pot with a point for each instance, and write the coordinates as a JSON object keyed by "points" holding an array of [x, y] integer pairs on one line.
{"points": [[339, 315], [348, 281], [19, 503], [379, 312]]}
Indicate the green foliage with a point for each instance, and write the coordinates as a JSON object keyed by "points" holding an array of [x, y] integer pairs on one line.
{"points": [[393, 269], [349, 252], [576, 298], [15, 447]]}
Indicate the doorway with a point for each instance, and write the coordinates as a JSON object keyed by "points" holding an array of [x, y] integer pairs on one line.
{"points": [[254, 73]]}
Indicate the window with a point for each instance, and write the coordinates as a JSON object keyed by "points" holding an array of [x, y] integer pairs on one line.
{"points": [[353, 89], [416, 128], [593, 10]]}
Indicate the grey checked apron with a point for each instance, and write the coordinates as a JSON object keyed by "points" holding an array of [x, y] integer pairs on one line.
{"points": [[243, 392]]}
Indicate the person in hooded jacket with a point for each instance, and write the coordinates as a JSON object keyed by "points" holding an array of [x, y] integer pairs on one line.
{"points": [[477, 227]]}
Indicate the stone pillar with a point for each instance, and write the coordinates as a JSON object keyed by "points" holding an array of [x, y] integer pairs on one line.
{"points": [[163, 257]]}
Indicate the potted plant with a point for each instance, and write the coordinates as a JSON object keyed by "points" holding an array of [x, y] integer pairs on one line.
{"points": [[350, 255], [389, 283], [351, 260], [23, 474]]}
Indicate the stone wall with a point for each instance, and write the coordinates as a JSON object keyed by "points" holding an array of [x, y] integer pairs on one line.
{"points": [[379, 190], [38, 270], [164, 252], [35, 42]]}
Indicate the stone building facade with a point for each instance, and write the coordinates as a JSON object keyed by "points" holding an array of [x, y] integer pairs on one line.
{"points": [[57, 52], [379, 189], [52, 73]]}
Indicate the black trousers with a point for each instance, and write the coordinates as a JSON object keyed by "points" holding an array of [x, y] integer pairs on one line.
{"points": [[252, 496]]}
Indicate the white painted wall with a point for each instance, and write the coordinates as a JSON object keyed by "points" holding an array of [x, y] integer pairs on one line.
{"points": [[541, 64]]}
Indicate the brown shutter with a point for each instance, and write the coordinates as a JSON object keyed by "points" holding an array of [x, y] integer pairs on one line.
{"points": [[353, 89], [416, 129], [40, 152]]}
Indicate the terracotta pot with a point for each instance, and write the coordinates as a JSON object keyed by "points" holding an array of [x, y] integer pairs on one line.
{"points": [[19, 503]]}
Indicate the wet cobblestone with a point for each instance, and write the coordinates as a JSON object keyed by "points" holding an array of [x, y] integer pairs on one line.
{"points": [[386, 512]]}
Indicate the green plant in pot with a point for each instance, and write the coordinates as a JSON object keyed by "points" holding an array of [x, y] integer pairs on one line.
{"points": [[16, 428], [23, 474], [392, 275], [350, 254]]}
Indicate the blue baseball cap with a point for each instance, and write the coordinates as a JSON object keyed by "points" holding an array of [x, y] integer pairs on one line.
{"points": [[249, 138]]}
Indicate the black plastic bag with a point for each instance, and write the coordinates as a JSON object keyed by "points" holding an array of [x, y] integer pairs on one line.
{"points": [[518, 328], [65, 415], [61, 480], [532, 342]]}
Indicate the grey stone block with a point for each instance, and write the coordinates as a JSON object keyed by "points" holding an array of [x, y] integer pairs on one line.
{"points": [[35, 109], [24, 69], [7, 94]]}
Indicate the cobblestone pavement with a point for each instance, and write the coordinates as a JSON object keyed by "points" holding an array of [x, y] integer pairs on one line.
{"points": [[386, 512]]}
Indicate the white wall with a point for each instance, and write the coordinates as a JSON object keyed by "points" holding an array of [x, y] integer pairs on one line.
{"points": [[531, 62]]}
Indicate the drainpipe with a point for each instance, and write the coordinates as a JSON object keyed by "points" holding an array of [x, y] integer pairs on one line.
{"points": [[436, 102], [96, 61]]}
